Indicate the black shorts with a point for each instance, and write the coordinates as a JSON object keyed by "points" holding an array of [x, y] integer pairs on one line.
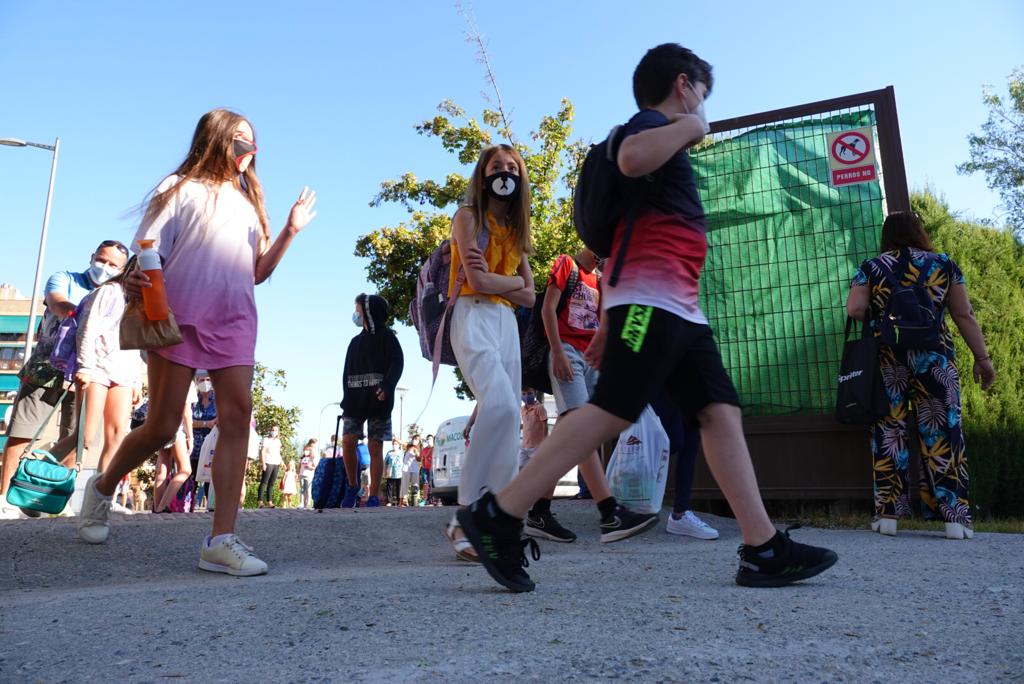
{"points": [[649, 349]]}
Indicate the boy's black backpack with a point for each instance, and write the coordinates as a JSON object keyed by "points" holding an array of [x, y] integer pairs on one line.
{"points": [[601, 200], [535, 345], [908, 319]]}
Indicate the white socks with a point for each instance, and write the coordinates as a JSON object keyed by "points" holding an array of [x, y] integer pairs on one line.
{"points": [[213, 541]]}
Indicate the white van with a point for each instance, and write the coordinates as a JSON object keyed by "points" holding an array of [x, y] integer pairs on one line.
{"points": [[450, 449]]}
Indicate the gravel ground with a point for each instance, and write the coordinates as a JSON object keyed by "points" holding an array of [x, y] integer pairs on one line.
{"points": [[371, 595]]}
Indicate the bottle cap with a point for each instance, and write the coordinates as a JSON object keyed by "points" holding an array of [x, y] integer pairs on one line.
{"points": [[146, 244]]}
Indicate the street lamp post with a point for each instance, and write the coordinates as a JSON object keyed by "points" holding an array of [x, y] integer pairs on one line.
{"points": [[320, 425], [402, 391], [55, 148]]}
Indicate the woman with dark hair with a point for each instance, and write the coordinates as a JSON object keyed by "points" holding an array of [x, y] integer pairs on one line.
{"points": [[909, 281]]}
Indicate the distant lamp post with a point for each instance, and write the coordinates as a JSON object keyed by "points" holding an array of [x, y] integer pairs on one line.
{"points": [[55, 148], [402, 391], [320, 426]]}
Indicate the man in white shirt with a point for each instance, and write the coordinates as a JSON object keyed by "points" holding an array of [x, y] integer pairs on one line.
{"points": [[270, 460]]}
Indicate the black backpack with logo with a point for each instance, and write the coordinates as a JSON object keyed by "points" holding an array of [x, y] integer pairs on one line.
{"points": [[908, 319]]}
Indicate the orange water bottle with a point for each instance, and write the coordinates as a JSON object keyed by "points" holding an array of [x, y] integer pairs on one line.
{"points": [[154, 299]]}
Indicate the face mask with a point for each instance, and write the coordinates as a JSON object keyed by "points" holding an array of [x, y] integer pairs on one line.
{"points": [[699, 111], [357, 318], [502, 186], [100, 272], [530, 399], [205, 386], [241, 148]]}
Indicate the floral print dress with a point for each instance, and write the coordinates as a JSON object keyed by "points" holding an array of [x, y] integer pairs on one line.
{"points": [[925, 382]]}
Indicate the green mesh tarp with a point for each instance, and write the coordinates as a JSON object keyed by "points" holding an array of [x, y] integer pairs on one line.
{"points": [[782, 245]]}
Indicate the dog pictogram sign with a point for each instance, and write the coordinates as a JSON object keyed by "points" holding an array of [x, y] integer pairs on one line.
{"points": [[851, 156]]}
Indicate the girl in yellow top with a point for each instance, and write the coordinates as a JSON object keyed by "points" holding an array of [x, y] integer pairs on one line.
{"points": [[484, 334]]}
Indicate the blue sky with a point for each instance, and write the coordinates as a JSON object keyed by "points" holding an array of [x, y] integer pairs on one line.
{"points": [[334, 90]]}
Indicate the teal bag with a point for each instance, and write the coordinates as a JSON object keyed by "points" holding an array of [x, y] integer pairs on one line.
{"points": [[41, 483]]}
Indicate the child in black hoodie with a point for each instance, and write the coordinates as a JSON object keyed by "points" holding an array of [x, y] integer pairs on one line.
{"points": [[373, 366]]}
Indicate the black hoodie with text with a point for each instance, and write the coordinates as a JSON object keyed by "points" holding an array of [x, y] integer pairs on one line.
{"points": [[374, 361]]}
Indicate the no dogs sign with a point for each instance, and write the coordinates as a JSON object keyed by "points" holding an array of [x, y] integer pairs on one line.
{"points": [[851, 156]]}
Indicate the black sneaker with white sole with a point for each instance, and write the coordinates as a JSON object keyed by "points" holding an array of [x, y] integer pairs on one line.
{"points": [[546, 526], [781, 562], [624, 523], [501, 549]]}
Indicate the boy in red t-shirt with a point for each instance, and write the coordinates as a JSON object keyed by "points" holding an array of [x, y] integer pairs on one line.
{"points": [[570, 330]]}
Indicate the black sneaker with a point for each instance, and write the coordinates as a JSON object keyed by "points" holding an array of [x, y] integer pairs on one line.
{"points": [[785, 562], [502, 551], [545, 526], [624, 523]]}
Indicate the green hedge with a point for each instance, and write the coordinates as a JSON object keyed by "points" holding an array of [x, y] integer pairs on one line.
{"points": [[993, 264]]}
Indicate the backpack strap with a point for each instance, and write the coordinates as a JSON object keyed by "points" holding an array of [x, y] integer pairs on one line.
{"points": [[482, 241], [570, 286], [46, 421]]}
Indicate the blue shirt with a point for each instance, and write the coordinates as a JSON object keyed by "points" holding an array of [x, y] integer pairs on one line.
{"points": [[73, 287], [364, 455]]}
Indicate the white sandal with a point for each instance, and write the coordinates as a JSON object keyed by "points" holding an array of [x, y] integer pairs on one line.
{"points": [[463, 549]]}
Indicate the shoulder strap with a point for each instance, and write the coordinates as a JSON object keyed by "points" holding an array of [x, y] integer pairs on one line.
{"points": [[570, 286]]}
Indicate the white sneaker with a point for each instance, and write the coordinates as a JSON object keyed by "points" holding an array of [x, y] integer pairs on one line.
{"points": [[690, 525], [92, 521], [886, 526], [231, 556], [118, 508], [958, 531]]}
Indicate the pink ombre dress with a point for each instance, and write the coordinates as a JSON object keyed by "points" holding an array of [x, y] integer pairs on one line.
{"points": [[208, 237]]}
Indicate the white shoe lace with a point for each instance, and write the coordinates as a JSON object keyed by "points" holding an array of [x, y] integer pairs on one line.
{"points": [[694, 520], [102, 506]]}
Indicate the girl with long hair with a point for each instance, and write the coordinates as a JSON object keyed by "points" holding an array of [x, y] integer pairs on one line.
{"points": [[211, 230], [490, 244]]}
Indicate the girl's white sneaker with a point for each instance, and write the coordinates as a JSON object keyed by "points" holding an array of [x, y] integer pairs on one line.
{"points": [[690, 525], [232, 557], [886, 526], [958, 531]]}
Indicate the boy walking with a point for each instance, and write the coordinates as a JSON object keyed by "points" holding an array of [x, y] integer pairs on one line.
{"points": [[570, 330], [373, 367], [653, 335]]}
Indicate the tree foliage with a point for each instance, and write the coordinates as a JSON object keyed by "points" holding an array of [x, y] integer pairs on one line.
{"points": [[998, 150], [993, 264], [268, 413], [395, 253]]}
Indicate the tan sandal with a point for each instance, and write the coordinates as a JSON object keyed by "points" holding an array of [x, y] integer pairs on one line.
{"points": [[463, 548]]}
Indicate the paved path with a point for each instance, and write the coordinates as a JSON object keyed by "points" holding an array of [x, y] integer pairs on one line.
{"points": [[372, 595]]}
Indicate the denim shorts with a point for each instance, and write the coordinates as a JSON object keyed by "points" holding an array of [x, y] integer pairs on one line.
{"points": [[379, 429], [576, 392]]}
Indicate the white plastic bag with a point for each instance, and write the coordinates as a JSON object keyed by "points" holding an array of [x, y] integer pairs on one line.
{"points": [[638, 470], [204, 471]]}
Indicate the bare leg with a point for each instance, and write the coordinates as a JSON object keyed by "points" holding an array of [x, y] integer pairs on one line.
{"points": [[726, 451], [350, 456], [182, 471], [592, 471], [116, 420], [376, 466], [12, 455], [234, 411], [163, 468], [168, 388], [574, 439], [95, 406]]}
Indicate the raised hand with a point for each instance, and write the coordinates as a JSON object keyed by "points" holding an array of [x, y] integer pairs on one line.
{"points": [[302, 211]]}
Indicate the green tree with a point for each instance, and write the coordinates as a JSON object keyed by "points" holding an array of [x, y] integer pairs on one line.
{"points": [[395, 253], [998, 150], [268, 413], [993, 265], [413, 430]]}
